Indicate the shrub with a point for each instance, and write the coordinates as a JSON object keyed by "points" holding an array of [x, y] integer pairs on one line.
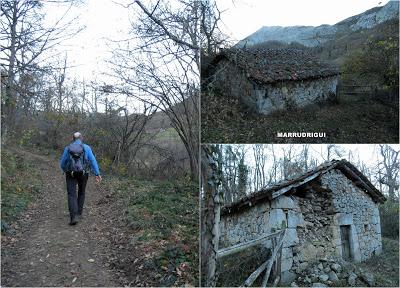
{"points": [[389, 214]]}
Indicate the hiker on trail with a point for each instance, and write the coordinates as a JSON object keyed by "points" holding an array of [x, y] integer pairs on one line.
{"points": [[76, 161]]}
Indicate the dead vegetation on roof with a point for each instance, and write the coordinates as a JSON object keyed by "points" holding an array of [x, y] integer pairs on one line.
{"points": [[273, 65]]}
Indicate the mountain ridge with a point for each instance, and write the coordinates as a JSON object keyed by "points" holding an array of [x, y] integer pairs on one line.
{"points": [[313, 36]]}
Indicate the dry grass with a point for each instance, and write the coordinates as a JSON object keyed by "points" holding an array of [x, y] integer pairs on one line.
{"points": [[385, 267], [360, 120]]}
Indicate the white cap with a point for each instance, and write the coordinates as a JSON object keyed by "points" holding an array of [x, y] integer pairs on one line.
{"points": [[77, 135]]}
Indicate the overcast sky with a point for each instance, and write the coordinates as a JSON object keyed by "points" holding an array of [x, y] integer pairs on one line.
{"points": [[367, 153], [243, 17], [103, 20]]}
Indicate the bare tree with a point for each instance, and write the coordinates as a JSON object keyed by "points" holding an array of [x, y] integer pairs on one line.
{"points": [[129, 135], [274, 170], [234, 178], [260, 155], [59, 77], [289, 164], [332, 150], [25, 39], [162, 69], [212, 38], [389, 169]]}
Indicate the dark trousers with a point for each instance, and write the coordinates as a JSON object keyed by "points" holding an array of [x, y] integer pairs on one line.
{"points": [[75, 204]]}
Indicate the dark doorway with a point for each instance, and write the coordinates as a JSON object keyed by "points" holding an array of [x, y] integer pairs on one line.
{"points": [[345, 235]]}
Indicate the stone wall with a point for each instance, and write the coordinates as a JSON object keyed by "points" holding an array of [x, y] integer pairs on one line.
{"points": [[355, 208], [312, 218], [264, 218], [316, 237], [241, 227], [292, 94], [230, 81]]}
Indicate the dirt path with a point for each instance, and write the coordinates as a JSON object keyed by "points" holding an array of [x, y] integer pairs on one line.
{"points": [[44, 250]]}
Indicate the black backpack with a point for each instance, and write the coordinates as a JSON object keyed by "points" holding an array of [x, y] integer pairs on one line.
{"points": [[77, 161]]}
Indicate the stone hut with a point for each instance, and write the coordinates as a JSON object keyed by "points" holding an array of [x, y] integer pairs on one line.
{"points": [[268, 80], [331, 211]]}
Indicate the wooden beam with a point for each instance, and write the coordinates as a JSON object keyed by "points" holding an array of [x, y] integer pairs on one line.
{"points": [[241, 246], [276, 281], [249, 281], [288, 188]]}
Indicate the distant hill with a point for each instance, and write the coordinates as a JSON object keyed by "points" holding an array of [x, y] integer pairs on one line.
{"points": [[347, 42], [314, 36]]}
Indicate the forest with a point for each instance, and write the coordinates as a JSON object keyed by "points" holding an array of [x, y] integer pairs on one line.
{"points": [[133, 94], [41, 99]]}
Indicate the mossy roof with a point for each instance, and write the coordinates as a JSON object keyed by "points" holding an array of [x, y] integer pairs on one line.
{"points": [[274, 65]]}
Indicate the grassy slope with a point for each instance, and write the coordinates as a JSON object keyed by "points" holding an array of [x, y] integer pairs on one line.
{"points": [[168, 135], [20, 184], [225, 120], [161, 218], [385, 267]]}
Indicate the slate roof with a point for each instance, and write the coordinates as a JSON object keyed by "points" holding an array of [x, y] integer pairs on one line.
{"points": [[274, 65], [286, 186]]}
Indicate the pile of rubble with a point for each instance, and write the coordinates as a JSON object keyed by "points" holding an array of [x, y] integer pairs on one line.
{"points": [[333, 272]]}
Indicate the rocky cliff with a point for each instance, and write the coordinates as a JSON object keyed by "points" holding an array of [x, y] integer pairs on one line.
{"points": [[313, 36]]}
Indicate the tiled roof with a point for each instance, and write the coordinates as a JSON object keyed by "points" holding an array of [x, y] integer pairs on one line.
{"points": [[273, 65], [285, 186]]}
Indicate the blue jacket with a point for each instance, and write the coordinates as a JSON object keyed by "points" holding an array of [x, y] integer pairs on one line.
{"points": [[88, 157]]}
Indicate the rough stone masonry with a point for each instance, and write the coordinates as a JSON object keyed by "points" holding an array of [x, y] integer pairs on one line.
{"points": [[328, 216]]}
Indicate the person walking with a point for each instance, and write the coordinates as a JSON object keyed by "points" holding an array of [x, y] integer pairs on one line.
{"points": [[76, 162]]}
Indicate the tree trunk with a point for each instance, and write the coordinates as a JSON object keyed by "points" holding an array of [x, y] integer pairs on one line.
{"points": [[10, 100], [210, 218]]}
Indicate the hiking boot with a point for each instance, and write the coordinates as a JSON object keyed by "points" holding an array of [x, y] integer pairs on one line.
{"points": [[73, 221], [78, 217]]}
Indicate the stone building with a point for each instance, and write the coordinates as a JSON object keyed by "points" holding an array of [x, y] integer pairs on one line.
{"points": [[331, 211], [267, 80]]}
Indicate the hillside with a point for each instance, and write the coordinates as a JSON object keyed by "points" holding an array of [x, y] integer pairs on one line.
{"points": [[311, 36], [346, 42]]}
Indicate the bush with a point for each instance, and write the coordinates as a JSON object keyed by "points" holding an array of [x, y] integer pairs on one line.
{"points": [[389, 214], [20, 185], [376, 61], [234, 269]]}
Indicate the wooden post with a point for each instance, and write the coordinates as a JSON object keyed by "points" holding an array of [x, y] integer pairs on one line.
{"points": [[210, 217], [337, 92], [273, 271], [273, 258], [267, 265]]}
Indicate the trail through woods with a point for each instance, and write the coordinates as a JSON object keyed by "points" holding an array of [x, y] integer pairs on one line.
{"points": [[45, 250]]}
